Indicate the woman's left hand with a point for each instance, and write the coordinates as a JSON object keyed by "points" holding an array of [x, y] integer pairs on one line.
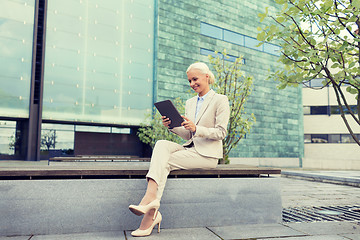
{"points": [[187, 124]]}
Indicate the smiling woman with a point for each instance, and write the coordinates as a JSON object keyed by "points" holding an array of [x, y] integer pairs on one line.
{"points": [[206, 119], [200, 77]]}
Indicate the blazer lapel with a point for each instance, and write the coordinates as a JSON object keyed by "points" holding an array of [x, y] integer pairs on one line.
{"points": [[192, 109], [204, 105]]}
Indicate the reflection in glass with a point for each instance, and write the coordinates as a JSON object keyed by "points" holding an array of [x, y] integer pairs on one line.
{"points": [[234, 37], [211, 31], [347, 138], [57, 139], [334, 138], [252, 43], [319, 138], [99, 61], [16, 43], [8, 138], [319, 110], [306, 110]]}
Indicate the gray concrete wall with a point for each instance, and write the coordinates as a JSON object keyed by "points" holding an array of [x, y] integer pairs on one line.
{"points": [[77, 206]]}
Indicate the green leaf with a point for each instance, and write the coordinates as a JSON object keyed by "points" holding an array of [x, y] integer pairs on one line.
{"points": [[280, 19], [261, 36], [351, 90]]}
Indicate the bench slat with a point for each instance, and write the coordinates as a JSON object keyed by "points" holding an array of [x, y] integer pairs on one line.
{"points": [[131, 171]]}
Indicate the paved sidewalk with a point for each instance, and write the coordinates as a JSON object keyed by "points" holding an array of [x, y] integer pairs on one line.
{"points": [[289, 231]]}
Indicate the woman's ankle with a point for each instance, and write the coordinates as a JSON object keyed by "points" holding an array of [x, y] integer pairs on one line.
{"points": [[148, 198]]}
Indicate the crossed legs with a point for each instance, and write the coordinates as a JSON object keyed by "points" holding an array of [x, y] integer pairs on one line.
{"points": [[168, 156]]}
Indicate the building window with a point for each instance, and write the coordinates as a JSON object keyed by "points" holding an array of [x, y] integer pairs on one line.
{"points": [[229, 58], [307, 110], [334, 138], [329, 138], [327, 110], [211, 31], [347, 138], [96, 78], [319, 110], [234, 37], [238, 39], [315, 83], [319, 138]]}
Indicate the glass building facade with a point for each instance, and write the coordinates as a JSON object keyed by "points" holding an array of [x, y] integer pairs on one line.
{"points": [[99, 53], [105, 63]]}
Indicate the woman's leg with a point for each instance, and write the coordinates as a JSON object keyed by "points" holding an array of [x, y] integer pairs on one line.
{"points": [[185, 158], [150, 193], [157, 171], [159, 165]]}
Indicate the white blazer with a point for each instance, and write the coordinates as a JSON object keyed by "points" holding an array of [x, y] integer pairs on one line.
{"points": [[211, 124]]}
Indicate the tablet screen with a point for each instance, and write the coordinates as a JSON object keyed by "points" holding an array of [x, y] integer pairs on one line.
{"points": [[167, 108]]}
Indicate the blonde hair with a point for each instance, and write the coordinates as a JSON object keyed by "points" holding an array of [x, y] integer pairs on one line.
{"points": [[204, 69]]}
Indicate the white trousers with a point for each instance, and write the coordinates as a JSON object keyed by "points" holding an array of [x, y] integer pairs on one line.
{"points": [[168, 156]]}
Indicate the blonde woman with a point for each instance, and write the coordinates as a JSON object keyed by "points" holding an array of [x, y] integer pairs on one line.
{"points": [[206, 119]]}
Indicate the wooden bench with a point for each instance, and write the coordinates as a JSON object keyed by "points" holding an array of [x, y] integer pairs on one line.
{"points": [[98, 158], [129, 170]]}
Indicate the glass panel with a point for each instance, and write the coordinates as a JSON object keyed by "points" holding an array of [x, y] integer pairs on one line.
{"points": [[7, 137], [307, 138], [334, 138], [252, 42], [319, 110], [16, 42], [234, 37], [272, 49], [316, 82], [121, 130], [347, 138], [57, 139], [229, 58], [211, 31], [319, 138], [80, 128], [106, 74], [306, 110]]}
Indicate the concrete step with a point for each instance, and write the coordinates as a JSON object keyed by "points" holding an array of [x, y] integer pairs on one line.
{"points": [[43, 207]]}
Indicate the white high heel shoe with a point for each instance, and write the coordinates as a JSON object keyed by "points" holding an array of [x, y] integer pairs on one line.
{"points": [[147, 232], [142, 209]]}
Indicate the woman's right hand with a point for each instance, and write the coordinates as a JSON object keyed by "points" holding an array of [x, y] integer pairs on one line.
{"points": [[165, 121]]}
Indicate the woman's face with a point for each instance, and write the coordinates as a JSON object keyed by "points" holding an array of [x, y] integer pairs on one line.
{"points": [[199, 81]]}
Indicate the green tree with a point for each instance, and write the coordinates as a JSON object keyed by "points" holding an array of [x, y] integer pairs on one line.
{"points": [[319, 40], [155, 130], [230, 81]]}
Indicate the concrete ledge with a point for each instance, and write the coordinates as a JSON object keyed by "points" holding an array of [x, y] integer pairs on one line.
{"points": [[99, 205]]}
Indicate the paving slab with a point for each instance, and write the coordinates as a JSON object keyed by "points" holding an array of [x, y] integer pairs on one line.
{"points": [[322, 237], [352, 236], [254, 231], [325, 228], [119, 235], [179, 234]]}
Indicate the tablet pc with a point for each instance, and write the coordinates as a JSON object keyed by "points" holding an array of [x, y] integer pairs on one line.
{"points": [[167, 108]]}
